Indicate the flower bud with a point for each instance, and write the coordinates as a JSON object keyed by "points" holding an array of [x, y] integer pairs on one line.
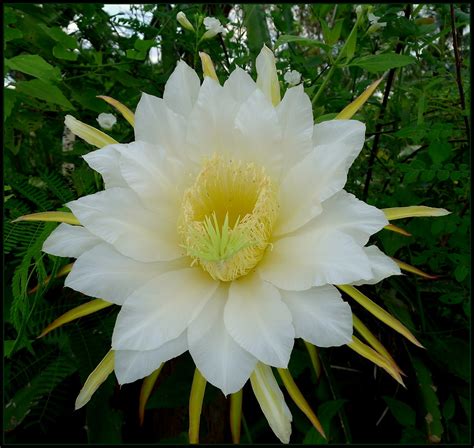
{"points": [[183, 21]]}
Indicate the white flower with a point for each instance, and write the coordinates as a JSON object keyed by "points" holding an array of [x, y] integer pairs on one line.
{"points": [[375, 25], [183, 21], [222, 230], [213, 27], [293, 77], [106, 121]]}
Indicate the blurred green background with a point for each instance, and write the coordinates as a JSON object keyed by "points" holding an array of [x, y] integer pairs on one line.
{"points": [[59, 57]]}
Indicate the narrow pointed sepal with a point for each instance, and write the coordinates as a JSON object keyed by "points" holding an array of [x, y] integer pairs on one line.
{"points": [[314, 357], [271, 401], [299, 399], [195, 406], [145, 392], [369, 353], [267, 76], [379, 312], [66, 217], [397, 229], [349, 111], [88, 133], [66, 269], [80, 311], [374, 342], [208, 66], [124, 110], [414, 211], [236, 415], [95, 379], [409, 268]]}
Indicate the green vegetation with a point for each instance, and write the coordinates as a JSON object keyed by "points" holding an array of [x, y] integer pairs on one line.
{"points": [[60, 56]]}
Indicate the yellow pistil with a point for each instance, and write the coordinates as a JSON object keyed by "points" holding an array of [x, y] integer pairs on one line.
{"points": [[227, 217]]}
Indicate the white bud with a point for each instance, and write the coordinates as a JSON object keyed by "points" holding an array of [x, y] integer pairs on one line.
{"points": [[292, 77], [106, 121], [183, 21], [213, 27]]}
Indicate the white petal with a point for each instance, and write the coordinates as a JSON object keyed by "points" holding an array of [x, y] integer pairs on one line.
{"points": [[156, 178], [157, 124], [320, 316], [211, 123], [314, 258], [106, 162], [259, 137], [272, 402], [322, 173], [69, 241], [104, 273], [338, 143], [295, 115], [259, 321], [346, 213], [132, 365], [240, 85], [116, 216], [223, 362], [162, 309], [381, 265], [182, 89], [267, 77]]}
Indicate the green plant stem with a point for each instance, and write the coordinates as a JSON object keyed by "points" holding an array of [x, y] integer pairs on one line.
{"points": [[334, 64]]}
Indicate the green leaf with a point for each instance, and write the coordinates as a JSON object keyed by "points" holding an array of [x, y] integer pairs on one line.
{"points": [[61, 52], [257, 30], [60, 36], [44, 91], [403, 413], [382, 62], [449, 408], [287, 38], [439, 151], [33, 65], [12, 33], [350, 46], [9, 100]]}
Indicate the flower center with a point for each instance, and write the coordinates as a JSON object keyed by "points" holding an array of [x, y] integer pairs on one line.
{"points": [[227, 217]]}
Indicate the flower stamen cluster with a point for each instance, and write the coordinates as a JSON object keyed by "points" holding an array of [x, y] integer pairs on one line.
{"points": [[227, 217]]}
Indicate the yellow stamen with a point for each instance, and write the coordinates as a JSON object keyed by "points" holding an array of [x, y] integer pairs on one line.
{"points": [[80, 311], [95, 379], [195, 406], [66, 217], [235, 415], [124, 110], [227, 217], [145, 391]]}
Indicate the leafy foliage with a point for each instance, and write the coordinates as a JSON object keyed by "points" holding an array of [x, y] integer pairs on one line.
{"points": [[60, 56]]}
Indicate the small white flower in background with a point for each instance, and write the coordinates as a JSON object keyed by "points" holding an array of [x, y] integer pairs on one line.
{"points": [[106, 121], [213, 27], [375, 25], [293, 77], [183, 21]]}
